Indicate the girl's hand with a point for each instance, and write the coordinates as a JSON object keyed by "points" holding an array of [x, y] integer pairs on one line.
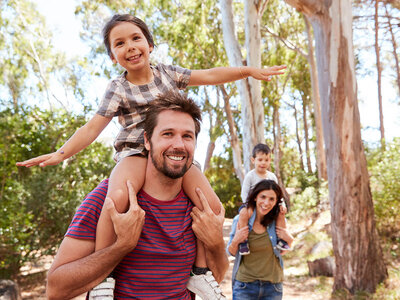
{"points": [[266, 73], [50, 159], [241, 234]]}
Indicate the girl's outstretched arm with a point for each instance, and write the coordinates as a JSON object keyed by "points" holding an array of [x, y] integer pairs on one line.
{"points": [[82, 138], [222, 75]]}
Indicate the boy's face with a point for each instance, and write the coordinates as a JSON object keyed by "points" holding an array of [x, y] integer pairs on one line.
{"points": [[129, 47], [261, 162]]}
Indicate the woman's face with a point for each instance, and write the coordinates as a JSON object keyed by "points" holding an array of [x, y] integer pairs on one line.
{"points": [[265, 201]]}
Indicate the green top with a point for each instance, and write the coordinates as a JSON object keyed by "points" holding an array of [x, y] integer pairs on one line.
{"points": [[261, 263]]}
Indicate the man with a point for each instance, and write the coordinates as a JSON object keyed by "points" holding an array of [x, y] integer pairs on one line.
{"points": [[151, 259]]}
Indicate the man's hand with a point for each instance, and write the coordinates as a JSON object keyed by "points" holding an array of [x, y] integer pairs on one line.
{"points": [[127, 226], [208, 226]]}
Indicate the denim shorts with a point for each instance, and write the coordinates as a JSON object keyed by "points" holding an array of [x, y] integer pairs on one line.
{"points": [[261, 290]]}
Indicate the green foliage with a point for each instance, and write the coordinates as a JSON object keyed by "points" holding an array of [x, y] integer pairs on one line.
{"points": [[37, 204], [384, 168], [225, 184]]}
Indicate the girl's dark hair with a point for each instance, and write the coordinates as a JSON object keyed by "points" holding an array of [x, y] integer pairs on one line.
{"points": [[115, 20], [262, 186]]}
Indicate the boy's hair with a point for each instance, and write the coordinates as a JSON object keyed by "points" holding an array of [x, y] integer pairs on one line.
{"points": [[115, 20], [175, 101], [266, 184], [261, 148]]}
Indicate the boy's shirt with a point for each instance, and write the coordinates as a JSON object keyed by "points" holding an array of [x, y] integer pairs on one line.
{"points": [[251, 179]]}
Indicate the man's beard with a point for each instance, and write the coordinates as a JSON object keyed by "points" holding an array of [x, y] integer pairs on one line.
{"points": [[165, 169]]}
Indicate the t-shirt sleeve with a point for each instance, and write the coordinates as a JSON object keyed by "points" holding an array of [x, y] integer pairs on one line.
{"points": [[180, 75], [245, 188], [111, 102], [84, 222]]}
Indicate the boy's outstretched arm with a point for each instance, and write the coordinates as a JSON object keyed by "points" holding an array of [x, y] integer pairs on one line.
{"points": [[82, 138], [222, 75]]}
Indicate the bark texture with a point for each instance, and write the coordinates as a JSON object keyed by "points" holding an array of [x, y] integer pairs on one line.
{"points": [[358, 255]]}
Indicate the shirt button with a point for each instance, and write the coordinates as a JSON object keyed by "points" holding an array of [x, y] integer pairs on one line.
{"points": [[271, 237]]}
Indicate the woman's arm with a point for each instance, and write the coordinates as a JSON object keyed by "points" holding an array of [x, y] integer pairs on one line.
{"points": [[222, 75], [239, 237], [285, 235], [82, 138]]}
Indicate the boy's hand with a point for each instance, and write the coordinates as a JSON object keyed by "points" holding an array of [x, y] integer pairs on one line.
{"points": [[50, 159], [267, 73], [282, 208]]}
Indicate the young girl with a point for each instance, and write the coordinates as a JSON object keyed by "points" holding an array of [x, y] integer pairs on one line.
{"points": [[129, 43]]}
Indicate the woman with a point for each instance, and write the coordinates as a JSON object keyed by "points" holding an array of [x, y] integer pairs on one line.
{"points": [[259, 275]]}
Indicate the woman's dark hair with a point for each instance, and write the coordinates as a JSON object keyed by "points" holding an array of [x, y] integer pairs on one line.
{"points": [[115, 20], [262, 186]]}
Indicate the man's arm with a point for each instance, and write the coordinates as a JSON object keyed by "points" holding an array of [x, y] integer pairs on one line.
{"points": [[208, 228], [77, 268]]}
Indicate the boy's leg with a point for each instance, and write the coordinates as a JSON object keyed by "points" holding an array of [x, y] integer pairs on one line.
{"points": [[202, 282], [131, 168], [281, 222], [244, 216]]}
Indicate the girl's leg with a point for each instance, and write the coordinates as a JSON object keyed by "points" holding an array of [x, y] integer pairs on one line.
{"points": [[131, 168], [193, 179]]}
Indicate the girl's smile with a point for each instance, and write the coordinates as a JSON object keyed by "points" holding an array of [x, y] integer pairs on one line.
{"points": [[131, 50]]}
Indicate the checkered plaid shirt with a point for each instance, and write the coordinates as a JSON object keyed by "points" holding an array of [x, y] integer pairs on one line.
{"points": [[130, 102]]}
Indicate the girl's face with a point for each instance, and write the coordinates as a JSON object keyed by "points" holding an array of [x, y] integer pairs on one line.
{"points": [[129, 47], [265, 201]]}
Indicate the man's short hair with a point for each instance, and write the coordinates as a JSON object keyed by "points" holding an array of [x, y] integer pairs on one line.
{"points": [[175, 101]]}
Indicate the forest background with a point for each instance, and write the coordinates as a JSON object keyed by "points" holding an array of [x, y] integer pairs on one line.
{"points": [[46, 93]]}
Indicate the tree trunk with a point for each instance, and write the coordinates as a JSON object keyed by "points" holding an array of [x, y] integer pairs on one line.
{"points": [[359, 260], [298, 138], [320, 151], [379, 74], [306, 139], [396, 57], [234, 140], [235, 59], [277, 152], [252, 17], [209, 154]]}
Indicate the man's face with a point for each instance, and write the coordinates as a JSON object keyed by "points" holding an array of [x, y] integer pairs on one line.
{"points": [[172, 144]]}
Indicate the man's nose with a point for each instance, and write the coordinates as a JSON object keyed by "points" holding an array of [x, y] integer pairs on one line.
{"points": [[178, 142]]}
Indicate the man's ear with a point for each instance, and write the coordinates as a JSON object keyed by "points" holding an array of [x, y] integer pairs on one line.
{"points": [[252, 160], [146, 142]]}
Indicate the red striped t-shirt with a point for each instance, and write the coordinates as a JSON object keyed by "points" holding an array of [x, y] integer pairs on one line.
{"points": [[159, 266]]}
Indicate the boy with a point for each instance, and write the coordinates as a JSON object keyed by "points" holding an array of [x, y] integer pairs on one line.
{"points": [[262, 160]]}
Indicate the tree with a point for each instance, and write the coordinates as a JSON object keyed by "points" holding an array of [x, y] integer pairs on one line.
{"points": [[359, 261], [249, 89]]}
